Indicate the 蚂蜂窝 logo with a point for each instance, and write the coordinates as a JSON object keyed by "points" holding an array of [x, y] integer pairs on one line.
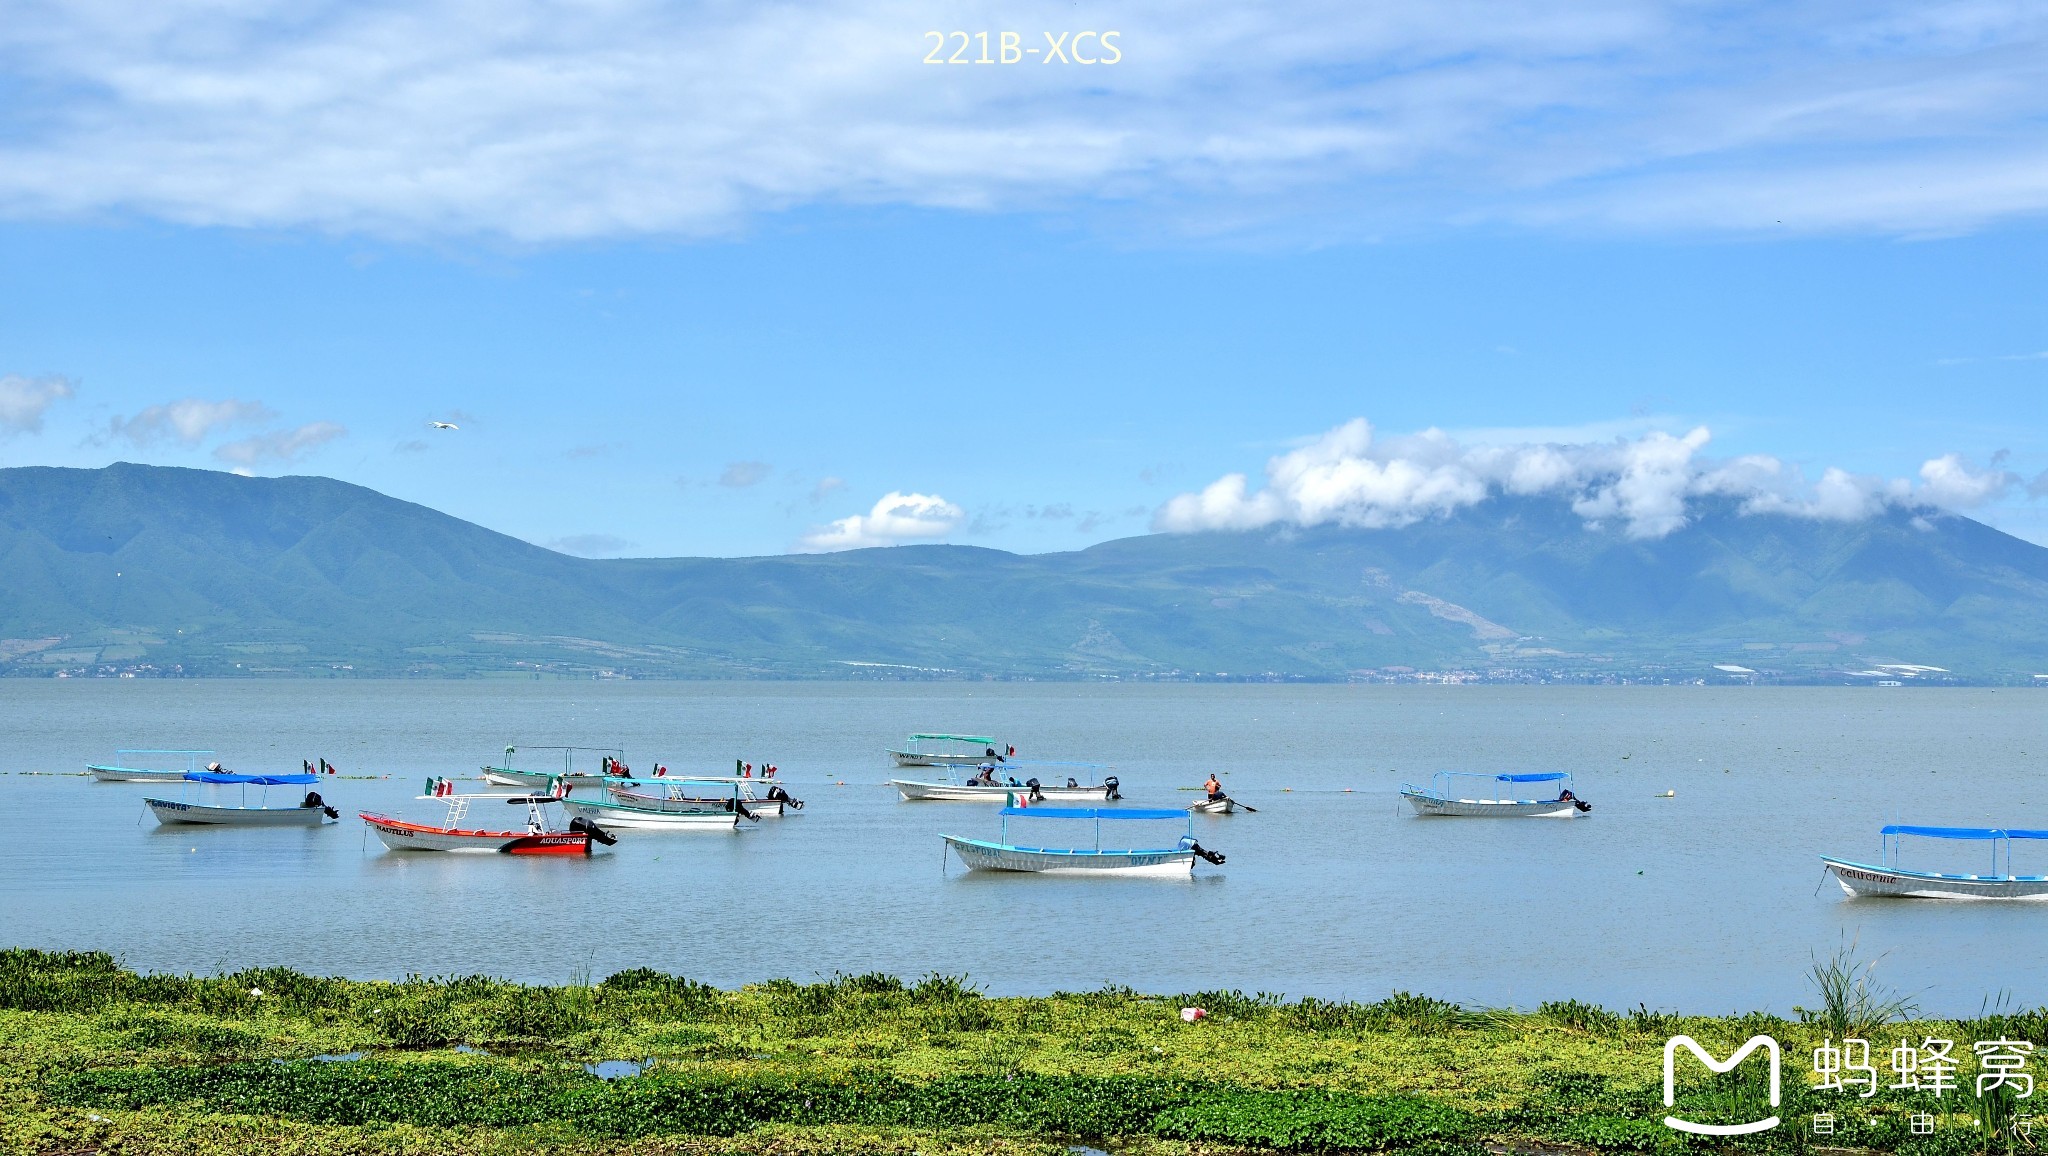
{"points": [[1670, 1084]]}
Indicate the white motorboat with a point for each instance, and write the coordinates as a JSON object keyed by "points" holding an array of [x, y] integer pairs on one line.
{"points": [[1882, 880], [1142, 859], [923, 750], [311, 811], [607, 765], [1502, 801], [128, 766], [986, 788], [764, 798], [680, 804]]}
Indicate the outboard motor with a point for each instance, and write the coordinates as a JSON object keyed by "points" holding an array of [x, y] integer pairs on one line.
{"points": [[1072, 781], [579, 823], [778, 795], [1188, 844], [313, 799], [1109, 789], [1037, 795], [741, 809], [1582, 805]]}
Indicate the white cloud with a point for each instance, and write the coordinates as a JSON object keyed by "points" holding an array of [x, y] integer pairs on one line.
{"points": [[24, 400], [532, 121], [825, 487], [187, 421], [1947, 481], [281, 445], [897, 518], [1644, 484]]}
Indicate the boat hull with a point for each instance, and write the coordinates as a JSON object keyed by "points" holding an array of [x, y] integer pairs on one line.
{"points": [[132, 775], [400, 835], [982, 856], [1867, 881], [609, 815], [916, 791], [1223, 806], [168, 812], [1432, 806]]}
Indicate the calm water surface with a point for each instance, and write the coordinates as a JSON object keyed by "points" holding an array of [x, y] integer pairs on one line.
{"points": [[1703, 902]]}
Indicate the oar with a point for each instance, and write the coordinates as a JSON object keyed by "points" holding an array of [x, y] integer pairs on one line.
{"points": [[1246, 806]]}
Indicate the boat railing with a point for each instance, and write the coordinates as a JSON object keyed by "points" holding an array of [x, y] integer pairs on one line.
{"points": [[1098, 814]]}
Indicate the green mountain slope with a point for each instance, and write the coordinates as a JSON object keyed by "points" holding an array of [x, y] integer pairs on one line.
{"points": [[149, 569]]}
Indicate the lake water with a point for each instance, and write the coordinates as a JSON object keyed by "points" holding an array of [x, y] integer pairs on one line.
{"points": [[1703, 902]]}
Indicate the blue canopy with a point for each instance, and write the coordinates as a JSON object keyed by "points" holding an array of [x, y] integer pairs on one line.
{"points": [[1093, 813], [1953, 832], [257, 780], [1546, 777]]}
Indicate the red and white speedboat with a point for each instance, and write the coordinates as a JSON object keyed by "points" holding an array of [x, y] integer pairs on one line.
{"points": [[541, 834]]}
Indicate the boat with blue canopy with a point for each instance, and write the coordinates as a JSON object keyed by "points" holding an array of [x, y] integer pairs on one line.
{"points": [[1539, 795], [1887, 878], [1131, 848], [310, 811], [140, 765]]}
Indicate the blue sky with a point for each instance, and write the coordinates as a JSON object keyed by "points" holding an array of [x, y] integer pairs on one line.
{"points": [[742, 280]]}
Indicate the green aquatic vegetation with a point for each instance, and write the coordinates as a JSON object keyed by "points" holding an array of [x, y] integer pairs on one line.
{"points": [[99, 1058]]}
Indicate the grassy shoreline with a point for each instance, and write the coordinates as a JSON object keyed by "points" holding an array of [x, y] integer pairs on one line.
{"points": [[101, 1059]]}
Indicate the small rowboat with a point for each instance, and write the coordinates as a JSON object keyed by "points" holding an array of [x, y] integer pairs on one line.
{"points": [[312, 811], [125, 768], [1892, 881], [947, 751], [508, 776], [1176, 859], [540, 836], [1220, 805], [1440, 798]]}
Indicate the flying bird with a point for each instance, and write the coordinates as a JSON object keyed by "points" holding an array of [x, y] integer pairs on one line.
{"points": [[445, 425]]}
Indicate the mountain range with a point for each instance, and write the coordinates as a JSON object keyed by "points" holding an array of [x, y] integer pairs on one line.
{"points": [[151, 570]]}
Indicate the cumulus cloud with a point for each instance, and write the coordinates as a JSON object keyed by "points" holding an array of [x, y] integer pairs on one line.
{"points": [[186, 422], [24, 400], [531, 121], [897, 518], [1642, 484], [283, 446], [740, 475]]}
